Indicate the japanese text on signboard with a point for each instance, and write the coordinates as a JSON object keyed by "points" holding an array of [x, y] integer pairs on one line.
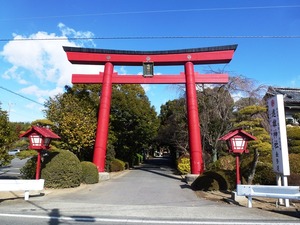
{"points": [[278, 135]]}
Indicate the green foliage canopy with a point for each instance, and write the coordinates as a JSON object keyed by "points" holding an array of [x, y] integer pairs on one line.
{"points": [[133, 121], [6, 138], [251, 118], [74, 114], [173, 129], [293, 134]]}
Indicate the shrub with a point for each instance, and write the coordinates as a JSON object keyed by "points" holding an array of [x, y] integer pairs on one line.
{"points": [[294, 179], [183, 164], [223, 163], [90, 174], [294, 163], [293, 134], [61, 169], [215, 180], [138, 159], [117, 165], [110, 155], [28, 170], [264, 174]]}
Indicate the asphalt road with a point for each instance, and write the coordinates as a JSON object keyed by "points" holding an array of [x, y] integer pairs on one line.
{"points": [[151, 194], [13, 170]]}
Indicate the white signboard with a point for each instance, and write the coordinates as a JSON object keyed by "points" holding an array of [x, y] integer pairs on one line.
{"points": [[280, 154]]}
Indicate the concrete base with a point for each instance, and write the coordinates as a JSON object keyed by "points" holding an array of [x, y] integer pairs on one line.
{"points": [[238, 198], [190, 178], [104, 176]]}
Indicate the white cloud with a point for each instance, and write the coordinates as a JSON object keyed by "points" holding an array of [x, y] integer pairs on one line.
{"points": [[36, 91], [43, 62], [123, 71], [13, 73], [146, 87], [85, 37], [41, 59]]}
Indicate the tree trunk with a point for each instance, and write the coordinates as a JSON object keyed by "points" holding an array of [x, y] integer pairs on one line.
{"points": [[254, 164], [215, 155]]}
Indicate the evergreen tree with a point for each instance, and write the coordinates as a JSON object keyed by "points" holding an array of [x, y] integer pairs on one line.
{"points": [[251, 119], [5, 138], [133, 121], [173, 130]]}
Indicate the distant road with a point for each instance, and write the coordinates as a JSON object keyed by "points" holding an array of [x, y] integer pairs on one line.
{"points": [[13, 170]]}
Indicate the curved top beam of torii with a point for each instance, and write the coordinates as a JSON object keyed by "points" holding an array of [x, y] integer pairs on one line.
{"points": [[208, 55]]}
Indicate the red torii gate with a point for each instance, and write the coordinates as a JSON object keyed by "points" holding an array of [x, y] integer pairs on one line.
{"points": [[186, 57]]}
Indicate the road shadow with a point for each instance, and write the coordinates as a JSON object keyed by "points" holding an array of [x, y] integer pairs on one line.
{"points": [[292, 213], [160, 166], [56, 218]]}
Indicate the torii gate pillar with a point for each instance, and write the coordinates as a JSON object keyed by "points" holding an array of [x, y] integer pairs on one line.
{"points": [[103, 119], [186, 57], [195, 144]]}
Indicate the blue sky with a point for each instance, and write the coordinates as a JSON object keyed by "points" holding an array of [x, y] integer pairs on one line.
{"points": [[39, 69]]}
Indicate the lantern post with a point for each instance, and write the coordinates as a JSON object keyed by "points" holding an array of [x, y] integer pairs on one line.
{"points": [[39, 139], [237, 142]]}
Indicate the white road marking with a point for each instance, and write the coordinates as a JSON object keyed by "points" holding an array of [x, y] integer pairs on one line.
{"points": [[148, 221]]}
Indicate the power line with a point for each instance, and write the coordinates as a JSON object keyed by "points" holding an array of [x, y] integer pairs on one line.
{"points": [[157, 37], [155, 11], [22, 96]]}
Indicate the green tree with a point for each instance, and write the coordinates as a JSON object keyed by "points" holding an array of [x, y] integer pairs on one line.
{"points": [[42, 123], [17, 128], [173, 129], [6, 138], [74, 114], [133, 121], [251, 118]]}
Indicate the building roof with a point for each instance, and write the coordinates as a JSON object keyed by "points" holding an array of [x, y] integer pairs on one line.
{"points": [[45, 132], [290, 95]]}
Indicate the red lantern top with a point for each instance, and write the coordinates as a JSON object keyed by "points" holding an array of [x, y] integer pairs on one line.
{"points": [[237, 140], [40, 137]]}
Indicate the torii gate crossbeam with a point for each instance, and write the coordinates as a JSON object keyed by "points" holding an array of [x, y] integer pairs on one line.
{"points": [[186, 57]]}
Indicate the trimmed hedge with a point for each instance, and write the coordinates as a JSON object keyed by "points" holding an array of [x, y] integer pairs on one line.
{"points": [[294, 163], [28, 170], [61, 169], [226, 162], [117, 165], [215, 180], [90, 174], [264, 174]]}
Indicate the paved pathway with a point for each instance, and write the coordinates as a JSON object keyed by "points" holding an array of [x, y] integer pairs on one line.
{"points": [[151, 194], [13, 170]]}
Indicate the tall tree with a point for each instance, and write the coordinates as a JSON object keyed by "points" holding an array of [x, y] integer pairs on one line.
{"points": [[173, 130], [133, 121], [6, 138], [74, 114], [216, 112]]}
